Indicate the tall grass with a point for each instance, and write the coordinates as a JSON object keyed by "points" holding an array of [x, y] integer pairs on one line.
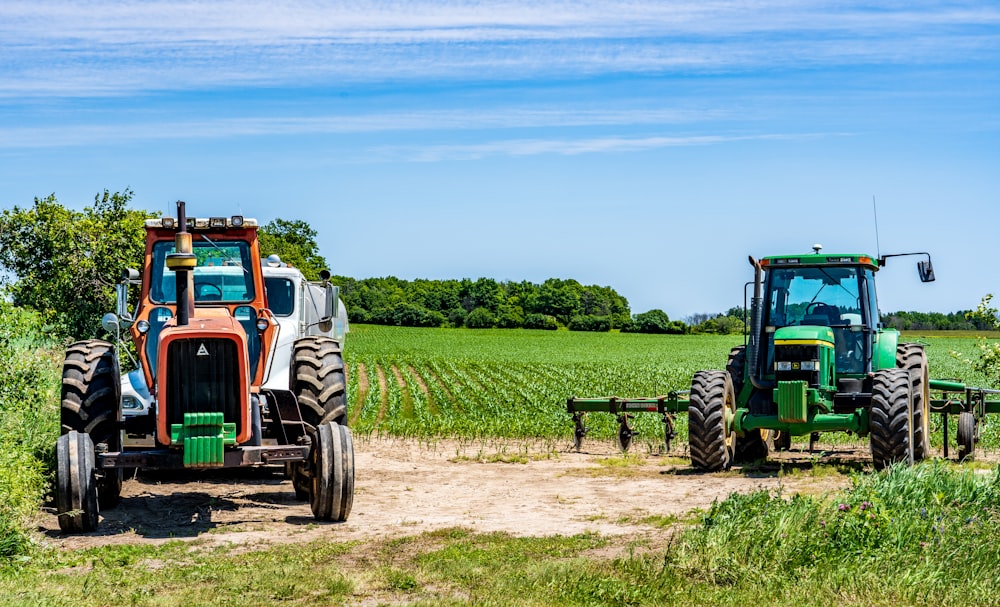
{"points": [[921, 535], [29, 423]]}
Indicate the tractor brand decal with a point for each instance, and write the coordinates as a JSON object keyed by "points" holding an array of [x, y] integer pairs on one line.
{"points": [[202, 350]]}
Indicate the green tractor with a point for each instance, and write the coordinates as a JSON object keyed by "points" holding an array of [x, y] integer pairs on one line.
{"points": [[817, 359]]}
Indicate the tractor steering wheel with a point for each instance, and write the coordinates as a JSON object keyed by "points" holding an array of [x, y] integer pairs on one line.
{"points": [[206, 291]]}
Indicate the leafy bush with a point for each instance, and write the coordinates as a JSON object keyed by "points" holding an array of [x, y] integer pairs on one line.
{"points": [[359, 315], [29, 422], [510, 317], [989, 351], [456, 316], [541, 321], [597, 324], [653, 321], [411, 315], [481, 318]]}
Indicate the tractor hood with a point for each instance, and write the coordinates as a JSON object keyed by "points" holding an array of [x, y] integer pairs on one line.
{"points": [[806, 333]]}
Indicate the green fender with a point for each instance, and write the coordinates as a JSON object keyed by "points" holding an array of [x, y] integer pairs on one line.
{"points": [[884, 349]]}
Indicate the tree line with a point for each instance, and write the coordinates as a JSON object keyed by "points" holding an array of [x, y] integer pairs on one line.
{"points": [[963, 320], [64, 263]]}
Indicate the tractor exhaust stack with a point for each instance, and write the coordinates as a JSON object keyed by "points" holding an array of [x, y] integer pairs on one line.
{"points": [[183, 261]]}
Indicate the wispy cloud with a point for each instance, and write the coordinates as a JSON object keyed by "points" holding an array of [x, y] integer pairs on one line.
{"points": [[571, 147], [94, 48], [120, 132]]}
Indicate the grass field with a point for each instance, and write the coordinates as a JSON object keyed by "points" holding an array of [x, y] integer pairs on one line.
{"points": [[514, 383]]}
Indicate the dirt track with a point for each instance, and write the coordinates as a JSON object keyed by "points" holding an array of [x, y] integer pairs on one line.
{"points": [[404, 488]]}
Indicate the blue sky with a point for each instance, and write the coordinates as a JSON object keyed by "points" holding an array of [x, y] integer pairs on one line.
{"points": [[649, 146]]}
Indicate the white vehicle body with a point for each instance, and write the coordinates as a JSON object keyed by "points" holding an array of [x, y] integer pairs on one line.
{"points": [[297, 305]]}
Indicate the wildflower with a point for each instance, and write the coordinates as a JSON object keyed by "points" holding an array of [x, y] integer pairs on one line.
{"points": [[843, 507], [923, 512], [865, 505]]}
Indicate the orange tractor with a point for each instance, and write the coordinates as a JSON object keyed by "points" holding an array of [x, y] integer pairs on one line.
{"points": [[206, 342]]}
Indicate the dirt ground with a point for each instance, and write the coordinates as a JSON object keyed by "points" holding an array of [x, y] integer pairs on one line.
{"points": [[406, 487]]}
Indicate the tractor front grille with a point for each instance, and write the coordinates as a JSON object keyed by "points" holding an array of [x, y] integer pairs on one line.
{"points": [[795, 354], [203, 376]]}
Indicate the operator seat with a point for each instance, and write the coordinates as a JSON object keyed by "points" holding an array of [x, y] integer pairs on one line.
{"points": [[823, 315]]}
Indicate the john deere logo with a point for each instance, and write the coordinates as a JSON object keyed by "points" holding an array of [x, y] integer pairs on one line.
{"points": [[202, 350]]}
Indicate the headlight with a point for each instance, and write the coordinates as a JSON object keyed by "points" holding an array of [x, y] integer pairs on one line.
{"points": [[783, 366], [130, 402], [810, 365], [262, 324], [142, 326]]}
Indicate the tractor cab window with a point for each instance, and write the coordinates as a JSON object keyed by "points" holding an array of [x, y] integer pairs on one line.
{"points": [[280, 295], [822, 296], [814, 296], [222, 274]]}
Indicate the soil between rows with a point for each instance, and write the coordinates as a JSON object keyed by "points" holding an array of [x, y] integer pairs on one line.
{"points": [[405, 487]]}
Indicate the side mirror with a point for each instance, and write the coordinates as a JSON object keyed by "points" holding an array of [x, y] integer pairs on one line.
{"points": [[110, 323], [926, 270], [329, 307], [129, 277]]}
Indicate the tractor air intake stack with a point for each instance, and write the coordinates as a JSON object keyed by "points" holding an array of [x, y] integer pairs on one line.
{"points": [[182, 261], [756, 313]]}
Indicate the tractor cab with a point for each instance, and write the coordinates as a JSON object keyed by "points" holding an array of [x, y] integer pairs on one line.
{"points": [[824, 305]]}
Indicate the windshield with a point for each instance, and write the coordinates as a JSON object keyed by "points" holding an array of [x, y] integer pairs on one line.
{"points": [[814, 296], [221, 275], [829, 297]]}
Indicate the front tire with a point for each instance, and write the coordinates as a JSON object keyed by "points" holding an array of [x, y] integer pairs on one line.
{"points": [[712, 400], [891, 420], [76, 484], [750, 447], [332, 457], [91, 404]]}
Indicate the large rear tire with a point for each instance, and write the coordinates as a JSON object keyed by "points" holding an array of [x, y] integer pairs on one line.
{"points": [[709, 438], [891, 423], [76, 484], [736, 367], [913, 359], [318, 380], [332, 457], [91, 404]]}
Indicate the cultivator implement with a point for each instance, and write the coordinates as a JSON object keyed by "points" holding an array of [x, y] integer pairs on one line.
{"points": [[970, 404], [624, 409]]}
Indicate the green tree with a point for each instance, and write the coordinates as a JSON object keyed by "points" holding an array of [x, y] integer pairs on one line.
{"points": [[295, 242], [654, 321], [481, 318], [64, 263]]}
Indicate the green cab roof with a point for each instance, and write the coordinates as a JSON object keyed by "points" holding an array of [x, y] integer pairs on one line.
{"points": [[821, 259]]}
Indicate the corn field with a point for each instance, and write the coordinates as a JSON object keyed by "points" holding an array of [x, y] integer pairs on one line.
{"points": [[514, 383]]}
